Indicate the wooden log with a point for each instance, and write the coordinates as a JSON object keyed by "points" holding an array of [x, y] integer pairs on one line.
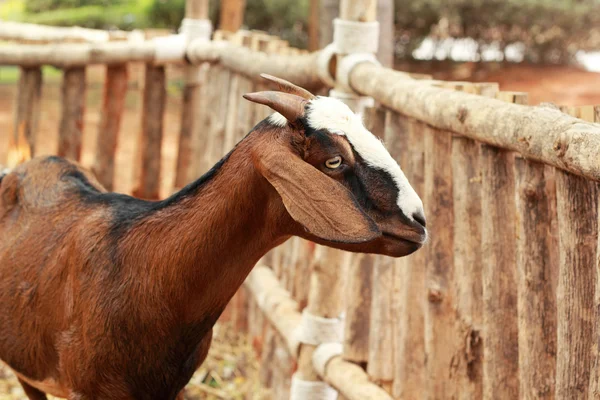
{"points": [[537, 298], [190, 123], [151, 134], [409, 299], [498, 243], [351, 381], [358, 309], [443, 343], [538, 133], [299, 69], [380, 366], [577, 202], [70, 132], [27, 109], [74, 54], [537, 268], [34, 33], [113, 105], [594, 387], [467, 258]]}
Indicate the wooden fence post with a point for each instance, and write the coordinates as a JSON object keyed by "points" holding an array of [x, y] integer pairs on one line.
{"points": [[190, 107], [467, 257], [498, 246], [537, 268], [115, 92], [594, 387], [443, 343], [577, 209], [380, 365], [404, 139], [27, 110], [151, 134], [70, 132]]}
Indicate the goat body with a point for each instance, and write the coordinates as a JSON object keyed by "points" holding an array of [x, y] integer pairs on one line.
{"points": [[93, 284]]}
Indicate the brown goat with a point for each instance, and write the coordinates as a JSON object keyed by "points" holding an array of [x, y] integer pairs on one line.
{"points": [[104, 296]]}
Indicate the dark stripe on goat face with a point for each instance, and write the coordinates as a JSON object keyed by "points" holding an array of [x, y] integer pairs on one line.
{"points": [[378, 187]]}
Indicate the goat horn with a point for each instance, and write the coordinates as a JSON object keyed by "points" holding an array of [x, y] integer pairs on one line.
{"points": [[288, 87], [288, 105]]}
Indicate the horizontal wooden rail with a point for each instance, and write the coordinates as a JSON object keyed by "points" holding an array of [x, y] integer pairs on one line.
{"points": [[282, 312], [352, 381], [300, 69], [46, 34], [79, 54], [276, 303], [539, 133]]}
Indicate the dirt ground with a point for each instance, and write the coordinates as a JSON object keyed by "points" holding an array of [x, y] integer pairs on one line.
{"points": [[561, 85]]}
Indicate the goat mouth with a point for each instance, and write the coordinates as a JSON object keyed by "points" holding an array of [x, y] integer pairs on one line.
{"points": [[403, 239]]}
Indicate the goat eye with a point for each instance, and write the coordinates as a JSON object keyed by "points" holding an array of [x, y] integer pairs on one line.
{"points": [[334, 162]]}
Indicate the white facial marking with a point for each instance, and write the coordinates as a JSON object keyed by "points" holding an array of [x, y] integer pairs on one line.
{"points": [[278, 119], [336, 117]]}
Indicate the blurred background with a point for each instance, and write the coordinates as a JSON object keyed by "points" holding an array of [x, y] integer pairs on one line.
{"points": [[507, 41]]}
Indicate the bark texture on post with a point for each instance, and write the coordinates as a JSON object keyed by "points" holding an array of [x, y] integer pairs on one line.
{"points": [[467, 262], [594, 387], [27, 110], [577, 202], [404, 139], [70, 132], [151, 134], [537, 296], [113, 105], [500, 332], [358, 309], [443, 343], [577, 209]]}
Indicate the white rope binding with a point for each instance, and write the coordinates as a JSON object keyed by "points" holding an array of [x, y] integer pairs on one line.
{"points": [[316, 330], [311, 390], [347, 65], [193, 29], [355, 37], [169, 48], [323, 354], [196, 29]]}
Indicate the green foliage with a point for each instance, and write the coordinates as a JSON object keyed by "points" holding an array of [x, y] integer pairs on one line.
{"points": [[166, 13], [286, 19]]}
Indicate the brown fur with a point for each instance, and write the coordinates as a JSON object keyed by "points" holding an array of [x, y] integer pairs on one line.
{"points": [[111, 297]]}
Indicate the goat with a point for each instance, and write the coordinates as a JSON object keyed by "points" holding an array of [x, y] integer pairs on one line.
{"points": [[103, 295]]}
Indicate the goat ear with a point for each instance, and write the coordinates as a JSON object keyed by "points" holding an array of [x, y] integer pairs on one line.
{"points": [[323, 206]]}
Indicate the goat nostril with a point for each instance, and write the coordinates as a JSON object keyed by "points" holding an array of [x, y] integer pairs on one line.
{"points": [[420, 218]]}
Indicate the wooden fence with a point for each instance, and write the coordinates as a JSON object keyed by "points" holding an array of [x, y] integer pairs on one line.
{"points": [[502, 302]]}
